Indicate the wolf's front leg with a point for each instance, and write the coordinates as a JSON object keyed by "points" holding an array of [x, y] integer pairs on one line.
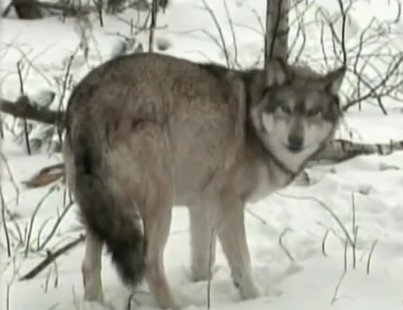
{"points": [[230, 229]]}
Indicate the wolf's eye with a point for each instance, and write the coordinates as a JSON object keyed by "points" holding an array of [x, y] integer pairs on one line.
{"points": [[285, 109], [313, 111]]}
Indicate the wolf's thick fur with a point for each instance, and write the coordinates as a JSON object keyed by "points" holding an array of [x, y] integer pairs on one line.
{"points": [[145, 132]]}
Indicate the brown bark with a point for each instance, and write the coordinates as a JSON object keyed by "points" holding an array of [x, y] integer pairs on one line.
{"points": [[277, 28], [24, 108], [27, 9]]}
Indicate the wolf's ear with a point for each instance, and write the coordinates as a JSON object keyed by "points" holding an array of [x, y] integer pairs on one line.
{"points": [[334, 79], [277, 73]]}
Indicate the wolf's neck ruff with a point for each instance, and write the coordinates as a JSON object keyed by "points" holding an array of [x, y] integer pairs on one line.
{"points": [[300, 166], [255, 131], [255, 90], [281, 107], [280, 164]]}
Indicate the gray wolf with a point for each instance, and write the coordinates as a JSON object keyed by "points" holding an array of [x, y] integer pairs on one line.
{"points": [[145, 132]]}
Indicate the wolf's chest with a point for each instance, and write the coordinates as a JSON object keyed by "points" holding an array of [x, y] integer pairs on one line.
{"points": [[263, 187]]}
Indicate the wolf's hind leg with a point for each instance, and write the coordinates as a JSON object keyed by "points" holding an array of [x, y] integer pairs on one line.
{"points": [[156, 207], [91, 269], [157, 223], [203, 243]]}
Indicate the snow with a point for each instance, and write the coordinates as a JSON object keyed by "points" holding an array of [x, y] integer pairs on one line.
{"points": [[296, 236]]}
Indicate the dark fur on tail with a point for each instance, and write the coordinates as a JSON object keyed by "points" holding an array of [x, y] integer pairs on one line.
{"points": [[103, 215]]}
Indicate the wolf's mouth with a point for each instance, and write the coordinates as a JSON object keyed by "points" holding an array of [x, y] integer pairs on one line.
{"points": [[294, 149]]}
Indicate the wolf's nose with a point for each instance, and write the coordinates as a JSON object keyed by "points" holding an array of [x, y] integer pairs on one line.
{"points": [[295, 143]]}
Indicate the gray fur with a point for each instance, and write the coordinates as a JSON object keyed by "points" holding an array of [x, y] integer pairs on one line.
{"points": [[147, 131]]}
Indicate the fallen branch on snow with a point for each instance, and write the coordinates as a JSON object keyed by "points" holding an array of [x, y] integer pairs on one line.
{"points": [[24, 108], [335, 151], [339, 150], [52, 257]]}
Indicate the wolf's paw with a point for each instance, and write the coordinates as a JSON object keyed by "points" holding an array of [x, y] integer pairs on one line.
{"points": [[199, 275]]}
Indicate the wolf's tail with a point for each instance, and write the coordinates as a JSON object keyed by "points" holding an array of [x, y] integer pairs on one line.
{"points": [[105, 213]]}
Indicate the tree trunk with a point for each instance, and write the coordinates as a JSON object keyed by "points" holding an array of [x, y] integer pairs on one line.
{"points": [[277, 28], [27, 9]]}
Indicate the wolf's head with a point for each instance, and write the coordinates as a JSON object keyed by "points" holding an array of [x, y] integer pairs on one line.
{"points": [[298, 112]]}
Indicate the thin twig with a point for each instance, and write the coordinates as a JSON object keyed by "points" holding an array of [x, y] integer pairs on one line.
{"points": [[26, 135], [354, 229], [63, 94], [31, 223], [3, 218], [154, 13], [283, 247], [370, 255], [345, 255], [343, 31], [55, 226], [13, 182], [51, 257], [328, 209], [336, 291], [233, 35], [220, 32], [324, 242]]}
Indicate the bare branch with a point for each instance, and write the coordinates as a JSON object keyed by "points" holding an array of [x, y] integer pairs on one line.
{"points": [[55, 226], [51, 257], [19, 65], [220, 32], [340, 150], [370, 82], [154, 12], [4, 221], [34, 213], [343, 30], [23, 107]]}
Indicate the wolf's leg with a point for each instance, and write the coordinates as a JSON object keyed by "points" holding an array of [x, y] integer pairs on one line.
{"points": [[203, 243], [230, 229], [157, 223], [91, 269], [158, 197]]}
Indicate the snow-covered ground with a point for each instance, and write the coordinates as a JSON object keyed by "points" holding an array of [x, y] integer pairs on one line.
{"points": [[297, 236]]}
